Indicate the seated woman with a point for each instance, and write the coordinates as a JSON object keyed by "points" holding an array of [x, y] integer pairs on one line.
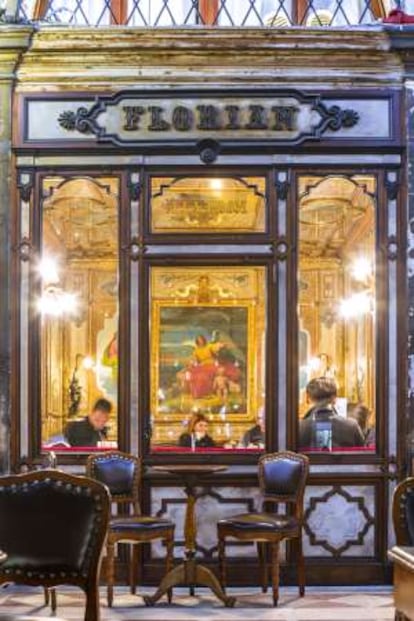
{"points": [[363, 416], [197, 429]]}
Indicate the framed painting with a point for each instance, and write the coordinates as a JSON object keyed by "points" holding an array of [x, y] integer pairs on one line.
{"points": [[205, 356]]}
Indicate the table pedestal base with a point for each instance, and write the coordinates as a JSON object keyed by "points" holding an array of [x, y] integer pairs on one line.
{"points": [[190, 574]]}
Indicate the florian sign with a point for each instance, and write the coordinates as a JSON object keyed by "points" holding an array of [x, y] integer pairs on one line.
{"points": [[165, 117]]}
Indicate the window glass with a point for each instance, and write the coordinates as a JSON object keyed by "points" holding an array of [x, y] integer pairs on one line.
{"points": [[207, 205], [337, 291], [78, 304], [208, 328]]}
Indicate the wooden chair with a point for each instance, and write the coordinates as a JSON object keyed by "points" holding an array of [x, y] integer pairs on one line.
{"points": [[120, 472], [403, 512], [282, 479], [402, 554], [53, 527]]}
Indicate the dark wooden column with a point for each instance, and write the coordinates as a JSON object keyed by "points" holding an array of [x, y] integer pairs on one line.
{"points": [[15, 40]]}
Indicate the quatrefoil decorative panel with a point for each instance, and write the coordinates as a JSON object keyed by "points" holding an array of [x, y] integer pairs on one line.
{"points": [[339, 521]]}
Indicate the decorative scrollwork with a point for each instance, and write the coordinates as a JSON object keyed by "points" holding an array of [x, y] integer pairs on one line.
{"points": [[25, 249], [135, 248], [25, 185], [134, 189], [356, 540], [208, 150], [392, 187], [335, 118], [392, 248], [392, 469], [282, 189], [81, 121], [281, 249]]}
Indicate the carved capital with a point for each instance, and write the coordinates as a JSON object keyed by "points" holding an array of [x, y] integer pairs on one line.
{"points": [[392, 187], [134, 189], [25, 186], [392, 248], [135, 248], [282, 188], [25, 249], [281, 248], [14, 40]]}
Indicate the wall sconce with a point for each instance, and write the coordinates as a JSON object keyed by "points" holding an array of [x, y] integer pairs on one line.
{"points": [[362, 301], [356, 305], [54, 301]]}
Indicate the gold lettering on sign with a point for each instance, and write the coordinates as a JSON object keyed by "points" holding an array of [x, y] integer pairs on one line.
{"points": [[210, 117], [202, 212], [203, 205], [132, 117]]}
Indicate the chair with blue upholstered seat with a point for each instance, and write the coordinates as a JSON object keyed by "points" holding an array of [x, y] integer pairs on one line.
{"points": [[121, 473], [282, 479]]}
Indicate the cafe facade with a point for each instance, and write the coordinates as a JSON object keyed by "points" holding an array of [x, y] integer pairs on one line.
{"points": [[201, 221]]}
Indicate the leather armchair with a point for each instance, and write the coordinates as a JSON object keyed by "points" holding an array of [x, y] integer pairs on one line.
{"points": [[52, 528], [121, 473], [282, 479], [403, 512]]}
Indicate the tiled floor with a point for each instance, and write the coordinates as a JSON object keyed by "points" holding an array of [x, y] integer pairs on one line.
{"points": [[319, 604]]}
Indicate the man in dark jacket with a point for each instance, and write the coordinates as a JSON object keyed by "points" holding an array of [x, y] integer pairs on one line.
{"points": [[91, 429], [322, 428]]}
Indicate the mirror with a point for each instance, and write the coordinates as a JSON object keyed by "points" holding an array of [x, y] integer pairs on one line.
{"points": [[336, 306], [78, 303]]}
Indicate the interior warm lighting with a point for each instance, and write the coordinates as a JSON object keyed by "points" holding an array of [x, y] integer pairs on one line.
{"points": [[361, 269], [55, 302], [356, 305], [48, 269], [216, 184], [88, 362]]}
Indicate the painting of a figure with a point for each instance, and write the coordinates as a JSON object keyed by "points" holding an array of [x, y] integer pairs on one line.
{"points": [[202, 359]]}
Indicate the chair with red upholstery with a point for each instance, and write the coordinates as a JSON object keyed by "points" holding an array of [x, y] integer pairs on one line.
{"points": [[121, 473], [282, 479], [53, 527]]}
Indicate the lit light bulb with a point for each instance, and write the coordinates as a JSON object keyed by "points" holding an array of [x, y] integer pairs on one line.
{"points": [[55, 302], [216, 184], [48, 269], [88, 362], [356, 305], [314, 364], [361, 269]]}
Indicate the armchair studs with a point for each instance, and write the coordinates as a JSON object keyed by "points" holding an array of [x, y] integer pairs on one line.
{"points": [[53, 527]]}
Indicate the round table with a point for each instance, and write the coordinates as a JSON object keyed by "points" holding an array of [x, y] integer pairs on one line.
{"points": [[190, 573]]}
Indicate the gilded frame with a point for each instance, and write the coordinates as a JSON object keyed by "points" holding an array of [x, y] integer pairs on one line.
{"points": [[249, 378]]}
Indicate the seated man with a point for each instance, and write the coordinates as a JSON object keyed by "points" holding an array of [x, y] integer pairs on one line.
{"points": [[255, 436], [91, 429], [322, 427]]}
